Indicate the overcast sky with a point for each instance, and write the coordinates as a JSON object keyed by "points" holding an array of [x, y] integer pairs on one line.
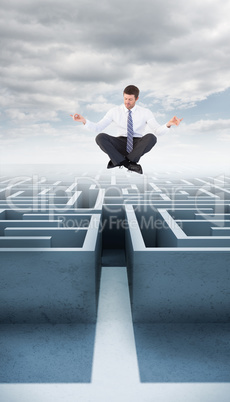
{"points": [[61, 57]]}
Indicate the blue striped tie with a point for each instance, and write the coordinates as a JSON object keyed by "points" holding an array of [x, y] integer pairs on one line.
{"points": [[129, 146]]}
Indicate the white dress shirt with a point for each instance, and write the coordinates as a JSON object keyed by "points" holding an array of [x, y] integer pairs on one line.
{"points": [[118, 115]]}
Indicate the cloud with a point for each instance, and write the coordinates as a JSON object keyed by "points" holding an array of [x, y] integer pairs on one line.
{"points": [[218, 126], [169, 47], [60, 57], [21, 117], [100, 107]]}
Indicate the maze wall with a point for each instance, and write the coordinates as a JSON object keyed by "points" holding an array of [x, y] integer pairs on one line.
{"points": [[50, 247], [179, 252], [175, 234]]}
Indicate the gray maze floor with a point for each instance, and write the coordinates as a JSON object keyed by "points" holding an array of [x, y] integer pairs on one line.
{"points": [[114, 286]]}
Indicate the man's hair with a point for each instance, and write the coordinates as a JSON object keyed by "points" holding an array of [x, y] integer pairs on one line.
{"points": [[132, 90]]}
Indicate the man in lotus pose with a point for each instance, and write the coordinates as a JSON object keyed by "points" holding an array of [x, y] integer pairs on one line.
{"points": [[131, 120]]}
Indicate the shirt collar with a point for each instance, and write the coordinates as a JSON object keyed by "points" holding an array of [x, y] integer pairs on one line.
{"points": [[126, 110]]}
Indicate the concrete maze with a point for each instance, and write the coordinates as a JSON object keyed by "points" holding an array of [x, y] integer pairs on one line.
{"points": [[114, 287]]}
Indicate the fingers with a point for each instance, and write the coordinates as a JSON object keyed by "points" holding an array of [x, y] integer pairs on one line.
{"points": [[75, 116], [176, 120]]}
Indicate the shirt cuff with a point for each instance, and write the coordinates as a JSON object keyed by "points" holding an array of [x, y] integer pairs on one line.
{"points": [[87, 124]]}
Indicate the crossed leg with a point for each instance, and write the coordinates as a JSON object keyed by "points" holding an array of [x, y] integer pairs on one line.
{"points": [[115, 147]]}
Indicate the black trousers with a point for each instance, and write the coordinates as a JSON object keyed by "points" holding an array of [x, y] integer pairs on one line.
{"points": [[115, 147]]}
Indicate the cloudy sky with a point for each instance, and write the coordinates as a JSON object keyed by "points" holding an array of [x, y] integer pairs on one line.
{"points": [[60, 57]]}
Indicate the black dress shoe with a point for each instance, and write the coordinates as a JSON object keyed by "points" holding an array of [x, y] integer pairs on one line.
{"points": [[110, 165], [125, 163], [134, 167]]}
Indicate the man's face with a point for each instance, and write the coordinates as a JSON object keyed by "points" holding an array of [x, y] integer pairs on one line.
{"points": [[129, 101]]}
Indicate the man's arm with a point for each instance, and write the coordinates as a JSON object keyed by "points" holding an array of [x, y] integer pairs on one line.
{"points": [[158, 129], [97, 127]]}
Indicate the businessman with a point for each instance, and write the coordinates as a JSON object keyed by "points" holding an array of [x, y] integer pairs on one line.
{"points": [[131, 120]]}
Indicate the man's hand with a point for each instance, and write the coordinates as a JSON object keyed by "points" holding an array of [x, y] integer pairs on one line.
{"points": [[78, 117], [174, 122]]}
